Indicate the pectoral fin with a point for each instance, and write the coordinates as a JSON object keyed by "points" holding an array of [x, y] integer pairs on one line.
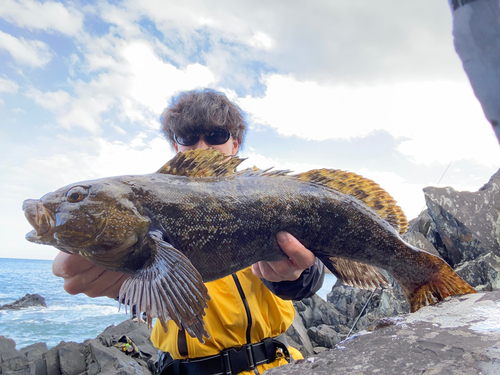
{"points": [[169, 287]]}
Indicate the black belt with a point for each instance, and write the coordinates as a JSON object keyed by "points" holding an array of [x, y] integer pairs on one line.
{"points": [[229, 362]]}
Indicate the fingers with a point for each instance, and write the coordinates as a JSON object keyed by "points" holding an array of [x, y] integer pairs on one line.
{"points": [[290, 269], [81, 276], [281, 270], [69, 265], [302, 257]]}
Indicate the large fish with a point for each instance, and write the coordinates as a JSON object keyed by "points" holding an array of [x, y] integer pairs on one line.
{"points": [[196, 220]]}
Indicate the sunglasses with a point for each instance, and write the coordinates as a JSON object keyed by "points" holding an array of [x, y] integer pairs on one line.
{"points": [[212, 137]]}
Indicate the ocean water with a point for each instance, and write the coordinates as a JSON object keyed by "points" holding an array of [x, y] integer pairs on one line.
{"points": [[66, 317]]}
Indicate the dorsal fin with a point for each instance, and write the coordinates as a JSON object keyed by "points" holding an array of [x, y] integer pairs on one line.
{"points": [[256, 172], [364, 189], [201, 163]]}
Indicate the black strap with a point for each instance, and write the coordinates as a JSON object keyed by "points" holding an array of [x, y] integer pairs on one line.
{"points": [[229, 362]]}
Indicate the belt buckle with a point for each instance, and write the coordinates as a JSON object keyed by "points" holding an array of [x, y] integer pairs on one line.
{"points": [[237, 360]]}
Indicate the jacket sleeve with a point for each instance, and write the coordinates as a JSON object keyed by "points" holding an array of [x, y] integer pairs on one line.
{"points": [[309, 282]]}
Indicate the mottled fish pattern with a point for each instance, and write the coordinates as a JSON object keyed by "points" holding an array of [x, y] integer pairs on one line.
{"points": [[196, 220]]}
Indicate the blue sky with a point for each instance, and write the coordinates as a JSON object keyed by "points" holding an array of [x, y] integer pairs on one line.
{"points": [[371, 87]]}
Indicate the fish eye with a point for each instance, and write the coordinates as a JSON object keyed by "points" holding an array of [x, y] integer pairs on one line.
{"points": [[77, 194]]}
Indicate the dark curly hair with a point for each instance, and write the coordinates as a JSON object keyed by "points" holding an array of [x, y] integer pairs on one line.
{"points": [[194, 111]]}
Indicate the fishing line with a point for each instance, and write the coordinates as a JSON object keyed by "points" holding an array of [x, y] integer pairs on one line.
{"points": [[359, 316], [442, 176]]}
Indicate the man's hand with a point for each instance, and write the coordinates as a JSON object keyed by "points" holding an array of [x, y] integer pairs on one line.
{"points": [[81, 276], [290, 269]]}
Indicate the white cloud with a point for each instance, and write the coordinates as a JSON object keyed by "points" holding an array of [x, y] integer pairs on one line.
{"points": [[48, 15], [33, 53], [437, 118], [38, 175], [6, 85], [53, 101], [131, 78], [151, 81], [261, 40]]}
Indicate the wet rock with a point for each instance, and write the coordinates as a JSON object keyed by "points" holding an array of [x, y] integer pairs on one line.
{"points": [[29, 300]]}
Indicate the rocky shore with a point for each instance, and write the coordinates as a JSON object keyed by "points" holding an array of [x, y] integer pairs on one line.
{"points": [[107, 354], [355, 331]]}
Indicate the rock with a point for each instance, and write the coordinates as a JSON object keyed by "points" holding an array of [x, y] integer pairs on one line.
{"points": [[72, 358], [350, 303], [483, 272], [419, 240], [52, 361], [11, 359], [97, 356], [29, 300], [298, 338], [35, 351], [6, 346], [464, 228], [328, 322], [460, 335], [325, 336], [466, 224]]}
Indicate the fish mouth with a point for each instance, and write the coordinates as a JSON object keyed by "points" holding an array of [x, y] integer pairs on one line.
{"points": [[40, 219]]}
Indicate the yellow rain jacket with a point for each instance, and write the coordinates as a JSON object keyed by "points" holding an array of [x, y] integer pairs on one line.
{"points": [[227, 320]]}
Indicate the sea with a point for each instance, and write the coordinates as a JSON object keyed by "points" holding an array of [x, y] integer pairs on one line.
{"points": [[66, 317]]}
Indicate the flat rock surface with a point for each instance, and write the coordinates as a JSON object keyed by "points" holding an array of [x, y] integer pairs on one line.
{"points": [[460, 335]]}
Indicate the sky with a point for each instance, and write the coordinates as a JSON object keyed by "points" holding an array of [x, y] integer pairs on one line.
{"points": [[375, 88]]}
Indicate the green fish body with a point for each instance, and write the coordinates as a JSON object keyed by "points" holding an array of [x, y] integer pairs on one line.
{"points": [[195, 221]]}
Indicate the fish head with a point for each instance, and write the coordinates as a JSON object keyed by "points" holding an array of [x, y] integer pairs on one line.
{"points": [[86, 218]]}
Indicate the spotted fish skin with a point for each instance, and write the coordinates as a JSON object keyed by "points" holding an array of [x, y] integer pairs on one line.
{"points": [[195, 221]]}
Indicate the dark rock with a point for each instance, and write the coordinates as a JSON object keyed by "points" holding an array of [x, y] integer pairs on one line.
{"points": [[14, 361], [329, 322], [39, 367], [465, 223], [298, 338], [363, 308], [325, 336], [35, 351], [29, 300], [72, 358], [460, 335], [417, 239], [52, 361], [97, 356], [138, 333], [483, 272], [7, 348]]}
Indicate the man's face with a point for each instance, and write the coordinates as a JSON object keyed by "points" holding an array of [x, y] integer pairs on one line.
{"points": [[228, 148]]}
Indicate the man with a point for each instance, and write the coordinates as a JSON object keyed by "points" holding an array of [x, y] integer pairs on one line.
{"points": [[245, 310]]}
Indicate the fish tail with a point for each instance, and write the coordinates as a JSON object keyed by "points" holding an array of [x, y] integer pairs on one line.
{"points": [[443, 282]]}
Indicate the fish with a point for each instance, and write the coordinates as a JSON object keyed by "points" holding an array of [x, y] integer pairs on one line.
{"points": [[197, 219]]}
